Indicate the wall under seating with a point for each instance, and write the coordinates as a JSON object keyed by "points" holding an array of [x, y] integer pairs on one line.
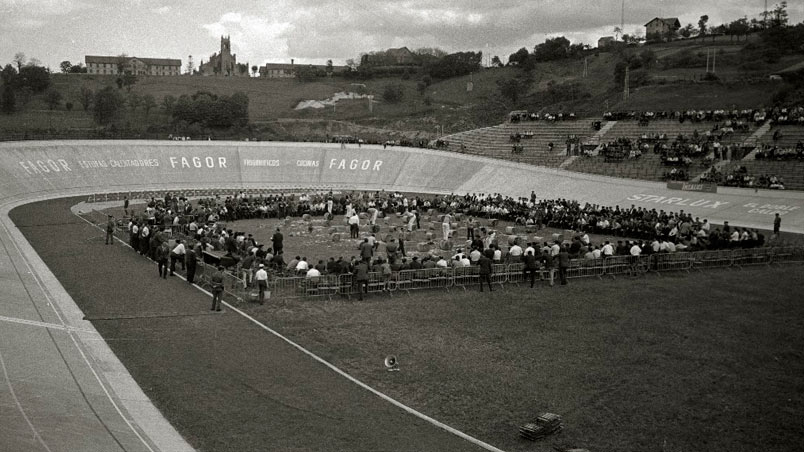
{"points": [[31, 170]]}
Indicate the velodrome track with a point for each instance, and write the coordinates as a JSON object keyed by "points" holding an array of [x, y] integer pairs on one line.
{"points": [[68, 391]]}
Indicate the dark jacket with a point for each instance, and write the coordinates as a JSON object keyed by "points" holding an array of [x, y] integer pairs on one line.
{"points": [[530, 262], [485, 265], [564, 258]]}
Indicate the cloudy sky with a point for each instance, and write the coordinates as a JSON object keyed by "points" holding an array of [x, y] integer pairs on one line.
{"points": [[316, 30]]}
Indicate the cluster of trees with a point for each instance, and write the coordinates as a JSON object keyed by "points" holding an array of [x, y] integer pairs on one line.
{"points": [[209, 110], [551, 49], [430, 62], [22, 80], [68, 68]]}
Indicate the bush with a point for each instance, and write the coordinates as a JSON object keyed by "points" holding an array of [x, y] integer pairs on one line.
{"points": [[393, 93]]}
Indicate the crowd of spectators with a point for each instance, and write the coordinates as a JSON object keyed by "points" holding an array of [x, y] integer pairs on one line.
{"points": [[522, 116], [777, 115], [773, 152], [207, 226]]}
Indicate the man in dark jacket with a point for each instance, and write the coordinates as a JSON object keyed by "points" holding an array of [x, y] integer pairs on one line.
{"points": [[531, 266], [486, 270], [361, 275], [190, 261], [563, 264], [217, 288]]}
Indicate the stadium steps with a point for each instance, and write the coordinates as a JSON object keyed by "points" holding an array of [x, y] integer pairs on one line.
{"points": [[753, 140]]}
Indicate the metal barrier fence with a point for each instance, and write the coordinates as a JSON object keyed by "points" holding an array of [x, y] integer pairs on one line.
{"points": [[788, 255], [585, 268], [712, 259], [445, 278], [673, 262]]}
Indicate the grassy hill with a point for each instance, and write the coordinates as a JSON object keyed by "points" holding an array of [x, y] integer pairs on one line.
{"points": [[672, 82]]}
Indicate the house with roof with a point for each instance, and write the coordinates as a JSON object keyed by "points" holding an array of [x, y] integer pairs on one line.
{"points": [[659, 29], [114, 65], [605, 42]]}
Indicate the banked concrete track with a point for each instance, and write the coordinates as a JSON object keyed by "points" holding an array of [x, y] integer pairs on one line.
{"points": [[66, 389]]}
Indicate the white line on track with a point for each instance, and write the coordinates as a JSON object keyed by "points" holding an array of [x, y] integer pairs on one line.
{"points": [[84, 357], [19, 405], [340, 372], [45, 325]]}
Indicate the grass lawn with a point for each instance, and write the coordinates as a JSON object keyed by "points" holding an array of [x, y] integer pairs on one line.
{"points": [[658, 363]]}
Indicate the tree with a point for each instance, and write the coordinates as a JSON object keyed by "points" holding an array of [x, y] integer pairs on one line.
{"points": [[495, 61], [519, 58], [78, 69], [108, 106], [254, 70], [36, 78], [778, 16], [393, 93], [134, 101], [739, 27], [65, 66], [85, 95], [329, 69], [556, 49], [122, 61], [68, 106], [514, 88], [8, 101], [648, 58], [168, 102], [129, 80], [686, 31], [52, 98], [19, 58], [617, 32], [148, 102], [9, 75], [702, 25]]}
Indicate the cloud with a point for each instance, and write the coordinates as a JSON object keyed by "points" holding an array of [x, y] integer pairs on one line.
{"points": [[162, 10], [254, 38], [41, 7]]}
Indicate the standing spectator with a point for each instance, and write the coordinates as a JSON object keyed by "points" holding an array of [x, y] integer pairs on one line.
{"points": [[531, 266], [777, 224], [366, 250], [361, 278], [110, 230], [144, 241], [162, 254], [563, 264], [177, 254], [276, 241], [548, 265], [354, 225], [262, 282], [245, 269], [445, 225], [134, 235], [190, 263], [217, 288], [486, 270]]}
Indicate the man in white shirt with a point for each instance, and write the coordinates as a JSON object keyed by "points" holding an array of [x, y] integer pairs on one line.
{"points": [[354, 226], [177, 254], [442, 263], [445, 225], [262, 282], [313, 273], [302, 266], [555, 249], [474, 256], [515, 252], [635, 249], [608, 250]]}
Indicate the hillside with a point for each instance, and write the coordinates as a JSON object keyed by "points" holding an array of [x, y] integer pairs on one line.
{"points": [[672, 80]]}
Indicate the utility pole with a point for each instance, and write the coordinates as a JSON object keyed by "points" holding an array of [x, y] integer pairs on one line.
{"points": [[714, 59], [625, 87], [585, 67], [707, 61], [622, 16]]}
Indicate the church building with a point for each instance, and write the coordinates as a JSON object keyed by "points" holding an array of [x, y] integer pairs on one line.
{"points": [[223, 63]]}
